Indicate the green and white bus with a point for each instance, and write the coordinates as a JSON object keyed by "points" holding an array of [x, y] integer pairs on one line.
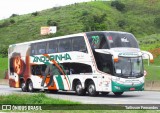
{"points": [[93, 62]]}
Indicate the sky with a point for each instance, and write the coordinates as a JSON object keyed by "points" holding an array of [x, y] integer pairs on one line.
{"points": [[9, 7]]}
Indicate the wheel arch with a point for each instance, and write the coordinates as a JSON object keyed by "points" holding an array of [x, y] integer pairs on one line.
{"points": [[29, 79], [87, 81], [74, 83], [21, 80]]}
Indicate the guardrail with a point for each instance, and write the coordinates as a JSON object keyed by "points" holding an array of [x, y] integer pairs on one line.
{"points": [[152, 85], [4, 82]]}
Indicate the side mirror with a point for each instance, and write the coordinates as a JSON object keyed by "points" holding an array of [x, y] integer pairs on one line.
{"points": [[147, 55]]}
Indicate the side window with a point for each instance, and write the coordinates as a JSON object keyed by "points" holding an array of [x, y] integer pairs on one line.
{"points": [[33, 49], [38, 69], [79, 44], [71, 68], [65, 45], [41, 48], [52, 46]]}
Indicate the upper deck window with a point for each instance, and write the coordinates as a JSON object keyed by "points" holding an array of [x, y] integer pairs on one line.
{"points": [[52, 46], [41, 48], [106, 40], [65, 45], [79, 44], [121, 40], [97, 40]]}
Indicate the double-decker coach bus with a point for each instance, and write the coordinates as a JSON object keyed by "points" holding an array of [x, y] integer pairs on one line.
{"points": [[94, 62]]}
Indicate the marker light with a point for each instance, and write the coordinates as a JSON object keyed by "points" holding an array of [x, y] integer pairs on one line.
{"points": [[115, 59], [151, 60]]}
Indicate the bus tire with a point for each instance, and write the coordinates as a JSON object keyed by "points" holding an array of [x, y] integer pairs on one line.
{"points": [[23, 86], [104, 93], [118, 93], [92, 89], [79, 90], [30, 86], [52, 91]]}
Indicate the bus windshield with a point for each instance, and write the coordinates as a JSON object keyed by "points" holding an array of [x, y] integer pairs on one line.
{"points": [[121, 40], [107, 40], [129, 67]]}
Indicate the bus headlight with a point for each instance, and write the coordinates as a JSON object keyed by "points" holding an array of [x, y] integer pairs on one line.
{"points": [[117, 87]]}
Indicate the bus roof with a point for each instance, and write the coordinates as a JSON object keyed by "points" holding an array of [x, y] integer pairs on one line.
{"points": [[48, 39], [66, 36], [109, 32]]}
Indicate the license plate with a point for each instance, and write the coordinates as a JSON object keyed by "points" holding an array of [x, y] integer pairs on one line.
{"points": [[131, 89]]}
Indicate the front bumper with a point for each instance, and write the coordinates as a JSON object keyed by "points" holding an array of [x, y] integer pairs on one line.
{"points": [[117, 87]]}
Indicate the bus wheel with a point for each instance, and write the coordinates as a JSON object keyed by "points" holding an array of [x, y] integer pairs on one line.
{"points": [[79, 90], [104, 93], [118, 93], [23, 86], [30, 86], [92, 89], [52, 91]]}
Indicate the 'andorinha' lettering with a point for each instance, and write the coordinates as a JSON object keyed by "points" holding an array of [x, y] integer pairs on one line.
{"points": [[52, 57]]}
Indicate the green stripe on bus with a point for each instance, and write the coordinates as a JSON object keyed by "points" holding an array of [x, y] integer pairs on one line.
{"points": [[60, 82], [65, 73]]}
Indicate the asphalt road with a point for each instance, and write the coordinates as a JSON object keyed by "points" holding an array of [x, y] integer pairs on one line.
{"points": [[137, 97]]}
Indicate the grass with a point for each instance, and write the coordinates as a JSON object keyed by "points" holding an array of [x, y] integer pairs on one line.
{"points": [[153, 72], [31, 99], [47, 103], [56, 105], [3, 66], [59, 106]]}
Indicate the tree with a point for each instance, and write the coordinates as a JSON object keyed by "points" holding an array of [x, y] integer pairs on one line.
{"points": [[3, 51], [52, 23], [35, 13], [14, 15], [118, 5], [157, 21], [12, 21], [121, 23]]}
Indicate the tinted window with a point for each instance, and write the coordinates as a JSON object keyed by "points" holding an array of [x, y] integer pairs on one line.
{"points": [[41, 48], [79, 44], [97, 40], [104, 62], [121, 40], [52, 46], [33, 49], [71, 68], [65, 45]]}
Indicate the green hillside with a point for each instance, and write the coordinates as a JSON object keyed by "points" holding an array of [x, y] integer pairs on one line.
{"points": [[141, 17]]}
